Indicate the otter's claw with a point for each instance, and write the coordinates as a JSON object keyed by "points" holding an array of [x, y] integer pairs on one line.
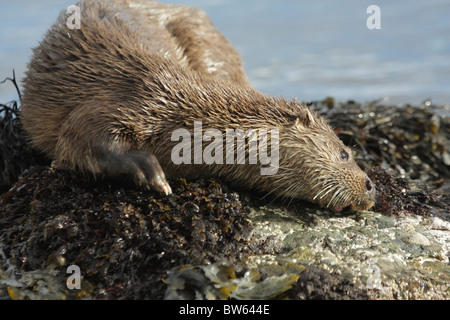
{"points": [[158, 183], [141, 166], [148, 172], [167, 189]]}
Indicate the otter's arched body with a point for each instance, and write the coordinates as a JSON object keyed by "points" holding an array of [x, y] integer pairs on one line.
{"points": [[107, 97]]}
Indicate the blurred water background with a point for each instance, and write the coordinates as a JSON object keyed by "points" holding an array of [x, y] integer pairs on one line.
{"points": [[304, 49]]}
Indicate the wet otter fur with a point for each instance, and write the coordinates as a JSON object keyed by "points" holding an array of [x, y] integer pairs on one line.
{"points": [[106, 98]]}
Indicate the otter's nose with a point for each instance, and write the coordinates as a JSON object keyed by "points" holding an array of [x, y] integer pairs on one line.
{"points": [[370, 189]]}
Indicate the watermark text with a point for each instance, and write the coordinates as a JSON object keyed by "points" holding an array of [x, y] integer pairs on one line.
{"points": [[252, 142]]}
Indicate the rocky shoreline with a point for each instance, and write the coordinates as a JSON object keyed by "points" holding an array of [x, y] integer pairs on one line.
{"points": [[209, 241]]}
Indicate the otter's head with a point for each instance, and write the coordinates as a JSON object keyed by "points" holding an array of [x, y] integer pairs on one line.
{"points": [[316, 166]]}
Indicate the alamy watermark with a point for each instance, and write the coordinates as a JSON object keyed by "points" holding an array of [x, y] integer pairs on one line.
{"points": [[74, 20], [213, 153], [374, 20], [374, 279], [74, 280]]}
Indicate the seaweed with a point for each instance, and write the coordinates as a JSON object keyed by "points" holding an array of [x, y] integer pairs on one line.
{"points": [[395, 197], [124, 240], [16, 155]]}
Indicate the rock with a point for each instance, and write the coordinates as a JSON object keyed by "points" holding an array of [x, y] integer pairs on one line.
{"points": [[205, 242], [401, 255]]}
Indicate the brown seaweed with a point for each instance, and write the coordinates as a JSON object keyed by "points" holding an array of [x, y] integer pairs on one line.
{"points": [[15, 153], [123, 239], [395, 197]]}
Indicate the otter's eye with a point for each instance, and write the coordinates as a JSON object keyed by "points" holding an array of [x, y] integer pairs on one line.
{"points": [[344, 155]]}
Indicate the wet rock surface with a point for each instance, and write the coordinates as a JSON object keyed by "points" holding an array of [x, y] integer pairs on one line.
{"points": [[361, 255], [209, 241]]}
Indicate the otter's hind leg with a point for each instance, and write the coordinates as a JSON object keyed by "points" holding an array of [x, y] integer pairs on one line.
{"points": [[205, 48], [89, 144], [196, 42]]}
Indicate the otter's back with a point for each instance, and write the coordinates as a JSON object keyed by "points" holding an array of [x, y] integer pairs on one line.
{"points": [[74, 67]]}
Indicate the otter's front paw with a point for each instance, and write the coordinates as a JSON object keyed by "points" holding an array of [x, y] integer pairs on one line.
{"points": [[141, 166], [147, 172]]}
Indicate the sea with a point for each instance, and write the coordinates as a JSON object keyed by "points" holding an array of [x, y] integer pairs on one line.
{"points": [[397, 52]]}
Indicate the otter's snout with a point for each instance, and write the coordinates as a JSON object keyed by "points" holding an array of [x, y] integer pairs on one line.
{"points": [[370, 189]]}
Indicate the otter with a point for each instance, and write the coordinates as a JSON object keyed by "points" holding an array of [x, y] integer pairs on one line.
{"points": [[105, 99]]}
